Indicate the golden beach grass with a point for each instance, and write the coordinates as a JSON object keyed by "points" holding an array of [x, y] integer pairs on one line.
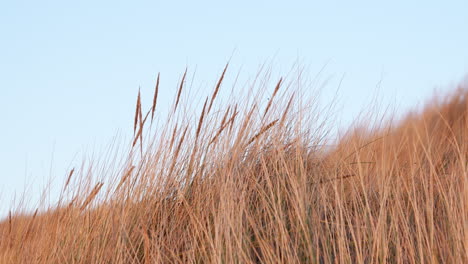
{"points": [[250, 181]]}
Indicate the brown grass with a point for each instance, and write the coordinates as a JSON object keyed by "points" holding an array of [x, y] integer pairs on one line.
{"points": [[241, 185]]}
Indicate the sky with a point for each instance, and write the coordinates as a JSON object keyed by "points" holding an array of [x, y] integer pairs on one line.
{"points": [[70, 70]]}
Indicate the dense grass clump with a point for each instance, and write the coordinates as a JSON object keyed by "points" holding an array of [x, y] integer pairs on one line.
{"points": [[249, 179]]}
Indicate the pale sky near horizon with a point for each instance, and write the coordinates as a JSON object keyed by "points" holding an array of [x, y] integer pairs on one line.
{"points": [[70, 70]]}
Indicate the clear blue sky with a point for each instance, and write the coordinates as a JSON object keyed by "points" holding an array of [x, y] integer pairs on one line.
{"points": [[70, 70]]}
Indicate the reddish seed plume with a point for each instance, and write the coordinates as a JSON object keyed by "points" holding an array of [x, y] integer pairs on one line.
{"points": [[197, 134], [200, 122], [139, 135], [273, 96], [137, 112], [155, 98], [69, 178], [218, 85], [262, 130], [180, 90]]}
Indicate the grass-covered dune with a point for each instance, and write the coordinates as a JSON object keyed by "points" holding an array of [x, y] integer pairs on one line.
{"points": [[249, 177]]}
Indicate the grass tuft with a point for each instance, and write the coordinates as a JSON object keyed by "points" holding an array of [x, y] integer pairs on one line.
{"points": [[242, 185]]}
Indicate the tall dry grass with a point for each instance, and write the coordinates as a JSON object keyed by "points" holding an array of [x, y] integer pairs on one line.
{"points": [[248, 180]]}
